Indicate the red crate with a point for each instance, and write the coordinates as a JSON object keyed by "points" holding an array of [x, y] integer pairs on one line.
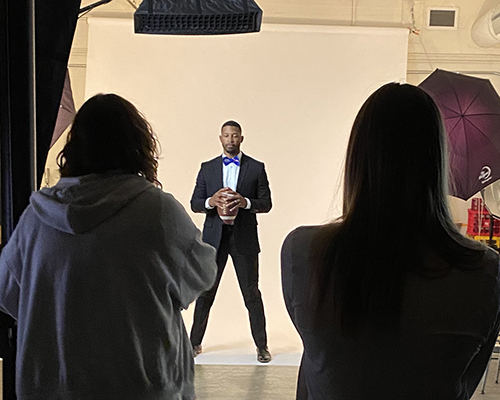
{"points": [[478, 224], [476, 204]]}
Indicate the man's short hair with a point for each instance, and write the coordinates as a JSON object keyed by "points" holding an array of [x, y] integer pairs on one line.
{"points": [[231, 123]]}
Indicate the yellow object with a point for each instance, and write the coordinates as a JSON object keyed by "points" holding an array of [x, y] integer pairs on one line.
{"points": [[485, 239]]}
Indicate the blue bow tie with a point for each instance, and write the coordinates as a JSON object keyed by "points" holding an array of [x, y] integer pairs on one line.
{"points": [[234, 160]]}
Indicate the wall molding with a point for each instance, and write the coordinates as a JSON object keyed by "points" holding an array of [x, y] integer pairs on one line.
{"points": [[78, 58], [453, 58]]}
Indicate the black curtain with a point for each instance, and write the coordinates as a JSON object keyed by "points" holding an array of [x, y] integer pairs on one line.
{"points": [[55, 22]]}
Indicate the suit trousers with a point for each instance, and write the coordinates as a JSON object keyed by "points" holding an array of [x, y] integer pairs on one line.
{"points": [[247, 272]]}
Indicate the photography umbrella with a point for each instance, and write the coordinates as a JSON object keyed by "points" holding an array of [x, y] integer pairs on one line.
{"points": [[471, 111], [66, 111]]}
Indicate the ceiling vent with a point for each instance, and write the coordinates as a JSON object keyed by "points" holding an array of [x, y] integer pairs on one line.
{"points": [[442, 18]]}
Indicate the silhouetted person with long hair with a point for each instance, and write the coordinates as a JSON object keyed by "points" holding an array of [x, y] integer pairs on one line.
{"points": [[390, 300], [99, 267]]}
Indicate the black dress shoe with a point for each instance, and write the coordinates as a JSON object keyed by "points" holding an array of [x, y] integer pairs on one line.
{"points": [[263, 355], [197, 350]]}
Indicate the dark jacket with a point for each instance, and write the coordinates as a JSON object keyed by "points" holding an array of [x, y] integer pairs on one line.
{"points": [[252, 184], [447, 332]]}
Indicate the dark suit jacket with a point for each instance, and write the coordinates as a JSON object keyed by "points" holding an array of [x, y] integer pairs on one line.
{"points": [[252, 183]]}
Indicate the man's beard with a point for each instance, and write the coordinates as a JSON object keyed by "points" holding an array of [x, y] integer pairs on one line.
{"points": [[234, 150]]}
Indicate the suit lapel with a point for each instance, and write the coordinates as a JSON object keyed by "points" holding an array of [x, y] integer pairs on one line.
{"points": [[218, 172], [243, 171]]}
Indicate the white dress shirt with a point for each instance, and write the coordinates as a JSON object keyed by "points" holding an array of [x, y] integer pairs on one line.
{"points": [[230, 175]]}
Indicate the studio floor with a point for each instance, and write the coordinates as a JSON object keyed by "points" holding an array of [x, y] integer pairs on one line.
{"points": [[232, 372], [224, 374], [245, 382]]}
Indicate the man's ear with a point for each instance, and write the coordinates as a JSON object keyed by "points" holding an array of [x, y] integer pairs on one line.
{"points": [[242, 138]]}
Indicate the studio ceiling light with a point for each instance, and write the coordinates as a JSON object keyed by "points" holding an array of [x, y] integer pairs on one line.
{"points": [[197, 17]]}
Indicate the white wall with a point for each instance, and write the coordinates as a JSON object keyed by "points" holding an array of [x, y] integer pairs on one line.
{"points": [[451, 49], [294, 89]]}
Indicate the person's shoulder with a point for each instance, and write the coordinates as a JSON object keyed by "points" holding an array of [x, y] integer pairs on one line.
{"points": [[209, 164], [155, 196], [479, 276], [28, 221], [212, 161], [164, 205], [305, 231], [490, 263], [302, 236], [165, 198], [251, 160]]}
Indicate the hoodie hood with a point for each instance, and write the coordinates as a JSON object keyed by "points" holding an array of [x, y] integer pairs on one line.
{"points": [[79, 204]]}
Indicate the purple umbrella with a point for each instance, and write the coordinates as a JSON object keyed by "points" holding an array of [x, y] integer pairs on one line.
{"points": [[471, 111], [66, 111]]}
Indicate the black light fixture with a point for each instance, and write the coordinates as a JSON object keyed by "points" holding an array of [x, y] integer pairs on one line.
{"points": [[197, 17]]}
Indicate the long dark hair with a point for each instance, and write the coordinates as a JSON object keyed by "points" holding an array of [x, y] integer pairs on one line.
{"points": [[109, 133], [395, 214]]}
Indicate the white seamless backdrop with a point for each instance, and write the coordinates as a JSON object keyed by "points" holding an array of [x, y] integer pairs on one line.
{"points": [[294, 89]]}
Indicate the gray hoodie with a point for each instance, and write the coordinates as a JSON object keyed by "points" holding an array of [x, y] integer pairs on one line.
{"points": [[96, 274]]}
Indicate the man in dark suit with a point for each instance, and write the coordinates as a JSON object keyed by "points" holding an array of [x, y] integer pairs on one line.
{"points": [[233, 181]]}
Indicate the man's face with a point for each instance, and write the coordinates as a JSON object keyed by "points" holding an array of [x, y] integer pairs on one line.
{"points": [[231, 138]]}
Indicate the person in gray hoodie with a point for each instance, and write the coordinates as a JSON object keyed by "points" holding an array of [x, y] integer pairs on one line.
{"points": [[99, 268]]}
